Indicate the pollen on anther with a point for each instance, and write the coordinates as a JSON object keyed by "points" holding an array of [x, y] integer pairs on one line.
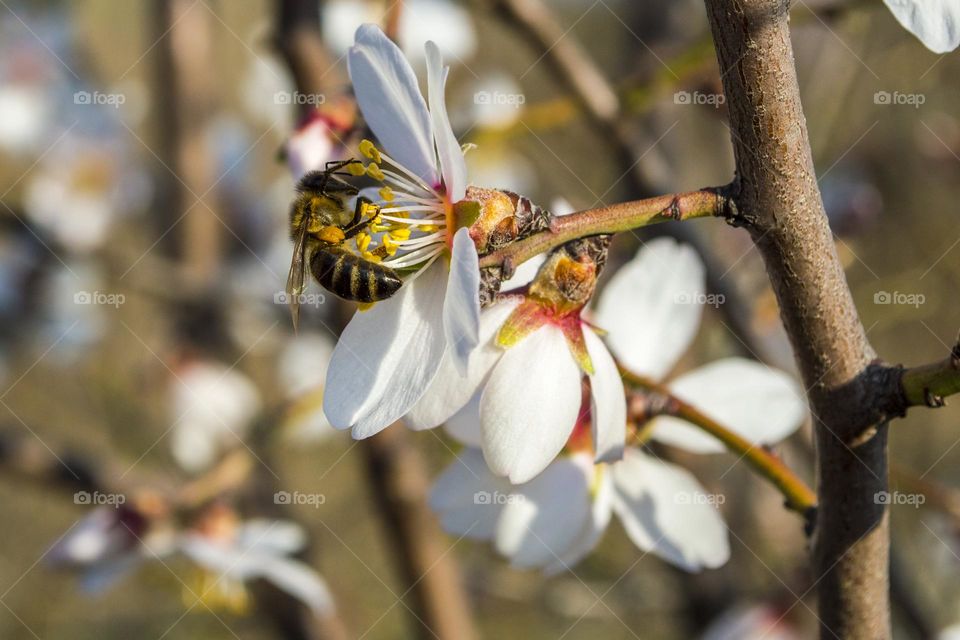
{"points": [[370, 150], [373, 170], [356, 169], [386, 194]]}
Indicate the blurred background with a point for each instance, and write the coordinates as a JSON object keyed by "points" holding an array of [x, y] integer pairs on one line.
{"points": [[147, 152]]}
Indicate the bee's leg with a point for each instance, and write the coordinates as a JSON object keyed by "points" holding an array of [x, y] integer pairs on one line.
{"points": [[358, 224]]}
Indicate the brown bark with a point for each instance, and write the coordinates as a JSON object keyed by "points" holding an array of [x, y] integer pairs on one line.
{"points": [[780, 204]]}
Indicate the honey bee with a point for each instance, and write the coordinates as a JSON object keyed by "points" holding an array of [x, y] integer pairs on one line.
{"points": [[320, 223]]}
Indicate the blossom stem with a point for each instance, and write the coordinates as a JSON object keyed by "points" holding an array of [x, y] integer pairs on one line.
{"points": [[930, 384], [712, 201], [797, 495]]}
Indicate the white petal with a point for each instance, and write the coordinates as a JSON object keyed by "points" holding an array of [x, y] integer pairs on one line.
{"points": [[464, 425], [608, 404], [237, 563], [524, 274], [300, 581], [450, 389], [461, 305], [387, 356], [468, 498], [391, 102], [595, 526], [448, 149], [935, 22], [542, 519], [651, 307], [529, 405], [762, 404], [665, 511], [277, 536]]}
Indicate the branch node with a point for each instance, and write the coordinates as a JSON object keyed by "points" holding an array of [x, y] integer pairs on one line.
{"points": [[932, 400]]}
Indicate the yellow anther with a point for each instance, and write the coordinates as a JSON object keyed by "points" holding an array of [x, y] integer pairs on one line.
{"points": [[370, 150], [400, 234], [430, 228], [372, 257], [386, 194], [363, 241], [373, 170], [356, 169]]}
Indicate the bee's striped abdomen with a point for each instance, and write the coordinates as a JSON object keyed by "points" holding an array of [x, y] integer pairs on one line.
{"points": [[352, 277]]}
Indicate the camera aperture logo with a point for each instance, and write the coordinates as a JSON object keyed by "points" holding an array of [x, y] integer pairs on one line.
{"points": [[896, 497], [699, 98], [309, 499], [699, 497], [100, 298], [99, 498], [296, 97], [97, 98], [897, 98], [496, 497], [712, 299], [896, 297], [305, 299], [515, 100]]}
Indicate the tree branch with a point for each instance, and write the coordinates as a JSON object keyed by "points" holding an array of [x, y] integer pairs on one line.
{"points": [[797, 495], [712, 201], [780, 203], [930, 384]]}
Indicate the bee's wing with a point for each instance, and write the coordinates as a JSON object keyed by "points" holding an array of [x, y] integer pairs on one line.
{"points": [[295, 277]]}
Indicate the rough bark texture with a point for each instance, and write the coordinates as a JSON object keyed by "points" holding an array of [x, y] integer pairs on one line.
{"points": [[780, 204]]}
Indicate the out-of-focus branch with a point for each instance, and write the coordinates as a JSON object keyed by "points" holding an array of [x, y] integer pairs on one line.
{"points": [[798, 496], [600, 103], [615, 218], [299, 40], [399, 483]]}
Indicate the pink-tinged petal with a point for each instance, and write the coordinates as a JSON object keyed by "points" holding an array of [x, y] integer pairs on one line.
{"points": [[595, 526], [527, 317], [935, 22], [666, 512], [468, 498], [391, 102], [608, 404], [762, 404], [573, 331], [651, 307], [450, 389], [542, 518], [387, 357], [448, 149], [310, 148], [530, 405], [461, 306]]}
